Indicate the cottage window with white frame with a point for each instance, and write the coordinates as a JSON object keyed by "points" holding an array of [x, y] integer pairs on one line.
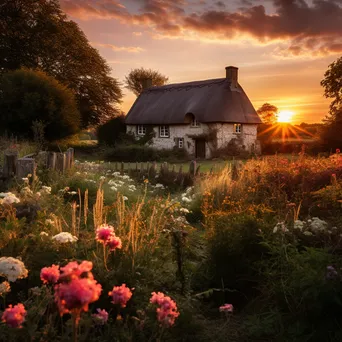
{"points": [[180, 142], [141, 130], [164, 131], [194, 122], [237, 128]]}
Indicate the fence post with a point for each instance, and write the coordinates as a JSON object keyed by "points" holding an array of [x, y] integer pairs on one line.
{"points": [[26, 166], [51, 163], [72, 156], [10, 163], [192, 168], [60, 162]]}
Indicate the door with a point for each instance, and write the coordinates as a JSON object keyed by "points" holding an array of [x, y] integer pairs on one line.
{"points": [[200, 149]]}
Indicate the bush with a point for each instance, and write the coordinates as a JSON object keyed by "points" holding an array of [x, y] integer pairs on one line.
{"points": [[28, 96], [233, 148], [110, 133], [140, 153]]}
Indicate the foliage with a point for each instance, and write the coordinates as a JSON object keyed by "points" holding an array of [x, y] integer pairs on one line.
{"points": [[332, 84], [268, 113], [330, 135], [136, 78], [141, 153], [111, 132], [27, 27], [29, 96]]}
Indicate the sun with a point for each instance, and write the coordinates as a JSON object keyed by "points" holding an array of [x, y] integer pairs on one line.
{"points": [[285, 116]]}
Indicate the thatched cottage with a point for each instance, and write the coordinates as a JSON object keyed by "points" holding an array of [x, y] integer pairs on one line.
{"points": [[201, 116]]}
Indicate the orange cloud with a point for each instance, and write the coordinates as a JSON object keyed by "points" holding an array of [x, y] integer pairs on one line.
{"points": [[304, 28]]}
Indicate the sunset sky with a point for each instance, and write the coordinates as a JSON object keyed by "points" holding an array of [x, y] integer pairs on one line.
{"points": [[282, 47]]}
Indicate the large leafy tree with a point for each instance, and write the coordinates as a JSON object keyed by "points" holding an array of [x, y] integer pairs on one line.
{"points": [[28, 97], [268, 113], [332, 83], [37, 34], [137, 77]]}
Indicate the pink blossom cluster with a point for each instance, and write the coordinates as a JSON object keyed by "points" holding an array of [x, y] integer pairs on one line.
{"points": [[14, 316], [101, 317], [77, 288], [120, 295], [226, 308], [50, 275], [105, 235], [167, 311]]}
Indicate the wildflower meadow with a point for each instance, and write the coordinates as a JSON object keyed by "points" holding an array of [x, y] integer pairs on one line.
{"points": [[249, 253]]}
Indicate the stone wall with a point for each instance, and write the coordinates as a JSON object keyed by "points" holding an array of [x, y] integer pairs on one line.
{"points": [[224, 133]]}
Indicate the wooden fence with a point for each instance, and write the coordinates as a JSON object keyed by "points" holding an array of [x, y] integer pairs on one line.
{"points": [[21, 167]]}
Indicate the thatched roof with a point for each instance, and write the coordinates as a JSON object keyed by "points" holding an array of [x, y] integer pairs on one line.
{"points": [[209, 101]]}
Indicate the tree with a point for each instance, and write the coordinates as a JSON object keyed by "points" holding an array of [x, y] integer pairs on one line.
{"points": [[111, 132], [134, 80], [37, 34], [332, 84], [28, 97], [268, 113]]}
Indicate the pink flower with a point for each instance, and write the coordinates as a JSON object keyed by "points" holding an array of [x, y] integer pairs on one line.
{"points": [[226, 308], [14, 316], [167, 311], [50, 275], [338, 150], [77, 288], [104, 233], [121, 295], [114, 243], [75, 270], [101, 317]]}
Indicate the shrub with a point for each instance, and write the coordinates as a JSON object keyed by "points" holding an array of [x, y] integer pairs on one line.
{"points": [[140, 153], [110, 133], [28, 96]]}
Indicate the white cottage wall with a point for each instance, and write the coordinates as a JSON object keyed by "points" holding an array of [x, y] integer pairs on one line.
{"points": [[225, 132]]}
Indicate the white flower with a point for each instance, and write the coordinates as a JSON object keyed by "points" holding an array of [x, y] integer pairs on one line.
{"points": [[116, 174], [158, 185], [298, 224], [25, 179], [125, 177], [102, 177], [12, 268], [64, 237], [184, 210], [317, 224], [44, 233], [125, 198], [10, 198], [49, 222], [186, 199], [72, 193], [114, 188], [4, 288], [281, 227], [26, 191], [307, 233], [46, 190]]}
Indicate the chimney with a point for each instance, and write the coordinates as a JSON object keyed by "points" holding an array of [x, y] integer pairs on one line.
{"points": [[232, 75], [146, 83]]}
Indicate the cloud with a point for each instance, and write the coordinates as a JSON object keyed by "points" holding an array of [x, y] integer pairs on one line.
{"points": [[301, 26], [132, 49]]}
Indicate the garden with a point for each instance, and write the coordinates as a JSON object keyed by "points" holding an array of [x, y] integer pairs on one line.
{"points": [[250, 255]]}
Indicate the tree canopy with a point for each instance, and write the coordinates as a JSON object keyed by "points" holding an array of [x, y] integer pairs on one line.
{"points": [[268, 113], [37, 34], [28, 96], [135, 79]]}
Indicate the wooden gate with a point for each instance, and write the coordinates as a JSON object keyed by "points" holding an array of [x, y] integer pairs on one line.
{"points": [[200, 148]]}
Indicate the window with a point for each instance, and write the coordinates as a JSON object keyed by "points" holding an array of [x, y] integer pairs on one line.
{"points": [[141, 130], [194, 122], [180, 142], [237, 128], [164, 131]]}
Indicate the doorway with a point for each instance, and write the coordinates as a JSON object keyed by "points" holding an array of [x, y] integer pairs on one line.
{"points": [[200, 149]]}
